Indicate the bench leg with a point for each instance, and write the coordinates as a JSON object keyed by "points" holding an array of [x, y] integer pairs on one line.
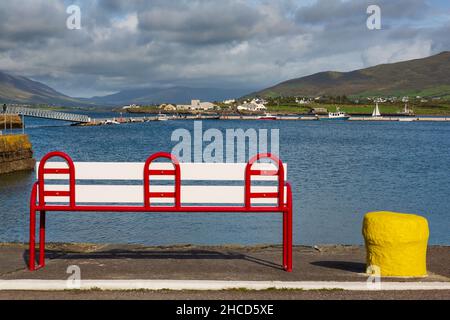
{"points": [[32, 244], [285, 245], [289, 240], [42, 239]]}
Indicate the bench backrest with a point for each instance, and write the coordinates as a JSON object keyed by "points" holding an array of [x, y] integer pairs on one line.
{"points": [[124, 183]]}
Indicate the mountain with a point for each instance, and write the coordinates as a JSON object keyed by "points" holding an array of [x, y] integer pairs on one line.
{"points": [[178, 95], [17, 89], [424, 77]]}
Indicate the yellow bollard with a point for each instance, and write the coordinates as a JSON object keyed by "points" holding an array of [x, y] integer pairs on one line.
{"points": [[396, 243]]}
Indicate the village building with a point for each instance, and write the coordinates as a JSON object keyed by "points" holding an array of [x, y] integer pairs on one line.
{"points": [[254, 106], [197, 105], [302, 101], [132, 106], [167, 107]]}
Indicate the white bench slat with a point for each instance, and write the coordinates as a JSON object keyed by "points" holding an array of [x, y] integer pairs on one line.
{"points": [[134, 171], [134, 194]]}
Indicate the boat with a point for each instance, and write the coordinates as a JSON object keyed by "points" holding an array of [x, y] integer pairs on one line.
{"points": [[338, 115], [267, 116], [406, 110], [110, 122], [162, 117], [376, 112]]}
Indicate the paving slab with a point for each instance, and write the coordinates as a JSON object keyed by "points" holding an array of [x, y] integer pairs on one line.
{"points": [[189, 262]]}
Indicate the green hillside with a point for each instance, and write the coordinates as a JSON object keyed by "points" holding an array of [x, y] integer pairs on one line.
{"points": [[428, 77]]}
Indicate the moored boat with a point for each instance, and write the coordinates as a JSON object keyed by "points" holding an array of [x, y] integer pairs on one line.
{"points": [[267, 116], [376, 112], [338, 115], [162, 117]]}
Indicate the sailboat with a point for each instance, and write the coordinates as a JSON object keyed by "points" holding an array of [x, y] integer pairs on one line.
{"points": [[376, 112], [406, 109]]}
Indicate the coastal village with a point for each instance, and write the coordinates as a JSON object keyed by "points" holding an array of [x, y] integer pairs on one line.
{"points": [[287, 105], [254, 105], [403, 109]]}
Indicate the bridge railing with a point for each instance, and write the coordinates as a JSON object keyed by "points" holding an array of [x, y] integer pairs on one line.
{"points": [[48, 114]]}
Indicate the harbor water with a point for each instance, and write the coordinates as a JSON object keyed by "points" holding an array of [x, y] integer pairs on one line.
{"points": [[339, 170]]}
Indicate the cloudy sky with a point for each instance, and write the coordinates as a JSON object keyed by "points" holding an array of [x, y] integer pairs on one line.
{"points": [[208, 43]]}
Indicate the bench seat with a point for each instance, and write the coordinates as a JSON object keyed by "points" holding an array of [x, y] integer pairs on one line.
{"points": [[156, 186]]}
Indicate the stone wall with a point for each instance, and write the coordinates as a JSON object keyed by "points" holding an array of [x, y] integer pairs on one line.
{"points": [[12, 120], [16, 153]]}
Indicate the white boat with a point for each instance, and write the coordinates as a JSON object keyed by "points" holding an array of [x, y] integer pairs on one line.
{"points": [[376, 112], [267, 116], [338, 115], [109, 122], [406, 109], [162, 117]]}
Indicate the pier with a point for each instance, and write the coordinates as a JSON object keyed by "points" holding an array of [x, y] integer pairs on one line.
{"points": [[48, 114], [84, 120], [123, 120], [401, 119]]}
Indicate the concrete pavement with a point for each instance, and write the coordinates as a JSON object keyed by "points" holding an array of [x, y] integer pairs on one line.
{"points": [[229, 263]]}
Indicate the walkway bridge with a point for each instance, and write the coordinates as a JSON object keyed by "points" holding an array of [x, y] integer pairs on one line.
{"points": [[48, 114]]}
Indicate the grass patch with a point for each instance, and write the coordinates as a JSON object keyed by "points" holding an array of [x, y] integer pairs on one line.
{"points": [[429, 108]]}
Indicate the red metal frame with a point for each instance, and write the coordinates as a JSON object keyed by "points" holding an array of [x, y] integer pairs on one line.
{"points": [[37, 202], [248, 179], [176, 173]]}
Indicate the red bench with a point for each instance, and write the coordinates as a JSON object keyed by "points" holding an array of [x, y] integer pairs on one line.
{"points": [[148, 196]]}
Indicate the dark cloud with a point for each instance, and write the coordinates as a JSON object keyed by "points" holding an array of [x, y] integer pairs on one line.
{"points": [[35, 21], [234, 43], [330, 12]]}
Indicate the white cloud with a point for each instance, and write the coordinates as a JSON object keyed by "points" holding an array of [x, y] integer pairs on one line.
{"points": [[395, 52], [129, 23]]}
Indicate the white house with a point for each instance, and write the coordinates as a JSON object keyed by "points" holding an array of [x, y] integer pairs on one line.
{"points": [[207, 106], [259, 101], [197, 105], [252, 106], [302, 101], [132, 106]]}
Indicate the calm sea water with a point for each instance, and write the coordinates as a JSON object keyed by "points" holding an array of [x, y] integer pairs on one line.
{"points": [[339, 171]]}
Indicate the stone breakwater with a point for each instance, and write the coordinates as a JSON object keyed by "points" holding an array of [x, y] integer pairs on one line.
{"points": [[16, 154], [12, 121]]}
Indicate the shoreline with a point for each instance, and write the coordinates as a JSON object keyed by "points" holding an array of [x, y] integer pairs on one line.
{"points": [[152, 118]]}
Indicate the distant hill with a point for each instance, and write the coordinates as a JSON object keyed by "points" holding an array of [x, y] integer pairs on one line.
{"points": [[424, 77], [179, 95], [17, 89]]}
